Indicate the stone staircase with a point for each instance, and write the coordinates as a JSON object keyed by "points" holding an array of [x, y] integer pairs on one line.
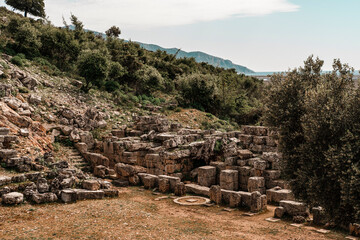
{"points": [[76, 160]]}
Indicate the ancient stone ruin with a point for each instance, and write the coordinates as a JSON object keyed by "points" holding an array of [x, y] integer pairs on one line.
{"points": [[44, 181], [239, 169]]}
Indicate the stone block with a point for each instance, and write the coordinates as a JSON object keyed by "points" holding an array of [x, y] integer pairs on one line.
{"points": [[150, 181], [164, 185], [17, 179], [263, 200], [68, 196], [245, 154], [260, 165], [180, 189], [207, 176], [272, 174], [256, 184], [275, 195], [111, 193], [83, 194], [172, 181], [319, 217], [229, 179], [235, 200], [215, 194], [294, 208], [44, 198], [120, 183], [134, 180], [125, 170], [279, 212], [255, 202], [197, 189], [245, 199], [260, 140], [92, 185]]}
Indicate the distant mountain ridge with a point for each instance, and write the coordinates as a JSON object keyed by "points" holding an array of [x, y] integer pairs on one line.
{"points": [[199, 57]]}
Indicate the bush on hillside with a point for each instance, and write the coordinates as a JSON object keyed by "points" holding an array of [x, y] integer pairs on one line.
{"points": [[148, 80], [317, 117], [17, 60], [93, 67], [199, 91]]}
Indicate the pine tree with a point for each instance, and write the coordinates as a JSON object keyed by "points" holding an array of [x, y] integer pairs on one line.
{"points": [[33, 7]]}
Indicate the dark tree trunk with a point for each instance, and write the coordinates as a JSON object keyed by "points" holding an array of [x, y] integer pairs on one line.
{"points": [[25, 13]]}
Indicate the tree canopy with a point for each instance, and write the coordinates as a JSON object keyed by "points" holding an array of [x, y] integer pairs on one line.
{"points": [[33, 7]]}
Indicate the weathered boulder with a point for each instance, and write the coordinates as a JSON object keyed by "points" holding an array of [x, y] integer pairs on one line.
{"points": [[68, 113], [12, 198], [13, 103], [24, 132], [30, 82], [35, 99], [67, 182]]}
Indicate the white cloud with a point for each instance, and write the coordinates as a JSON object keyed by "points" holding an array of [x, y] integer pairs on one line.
{"points": [[99, 14]]}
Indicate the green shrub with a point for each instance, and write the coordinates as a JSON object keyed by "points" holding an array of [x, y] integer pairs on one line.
{"points": [[156, 101], [199, 91], [17, 61], [112, 86], [317, 116], [46, 66], [21, 55]]}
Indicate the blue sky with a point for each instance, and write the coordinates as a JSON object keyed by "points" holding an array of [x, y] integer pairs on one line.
{"points": [[264, 35]]}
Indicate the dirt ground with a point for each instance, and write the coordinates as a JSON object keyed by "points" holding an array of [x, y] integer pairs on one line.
{"points": [[137, 215]]}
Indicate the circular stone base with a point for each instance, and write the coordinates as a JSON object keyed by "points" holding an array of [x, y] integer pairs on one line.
{"points": [[191, 201]]}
